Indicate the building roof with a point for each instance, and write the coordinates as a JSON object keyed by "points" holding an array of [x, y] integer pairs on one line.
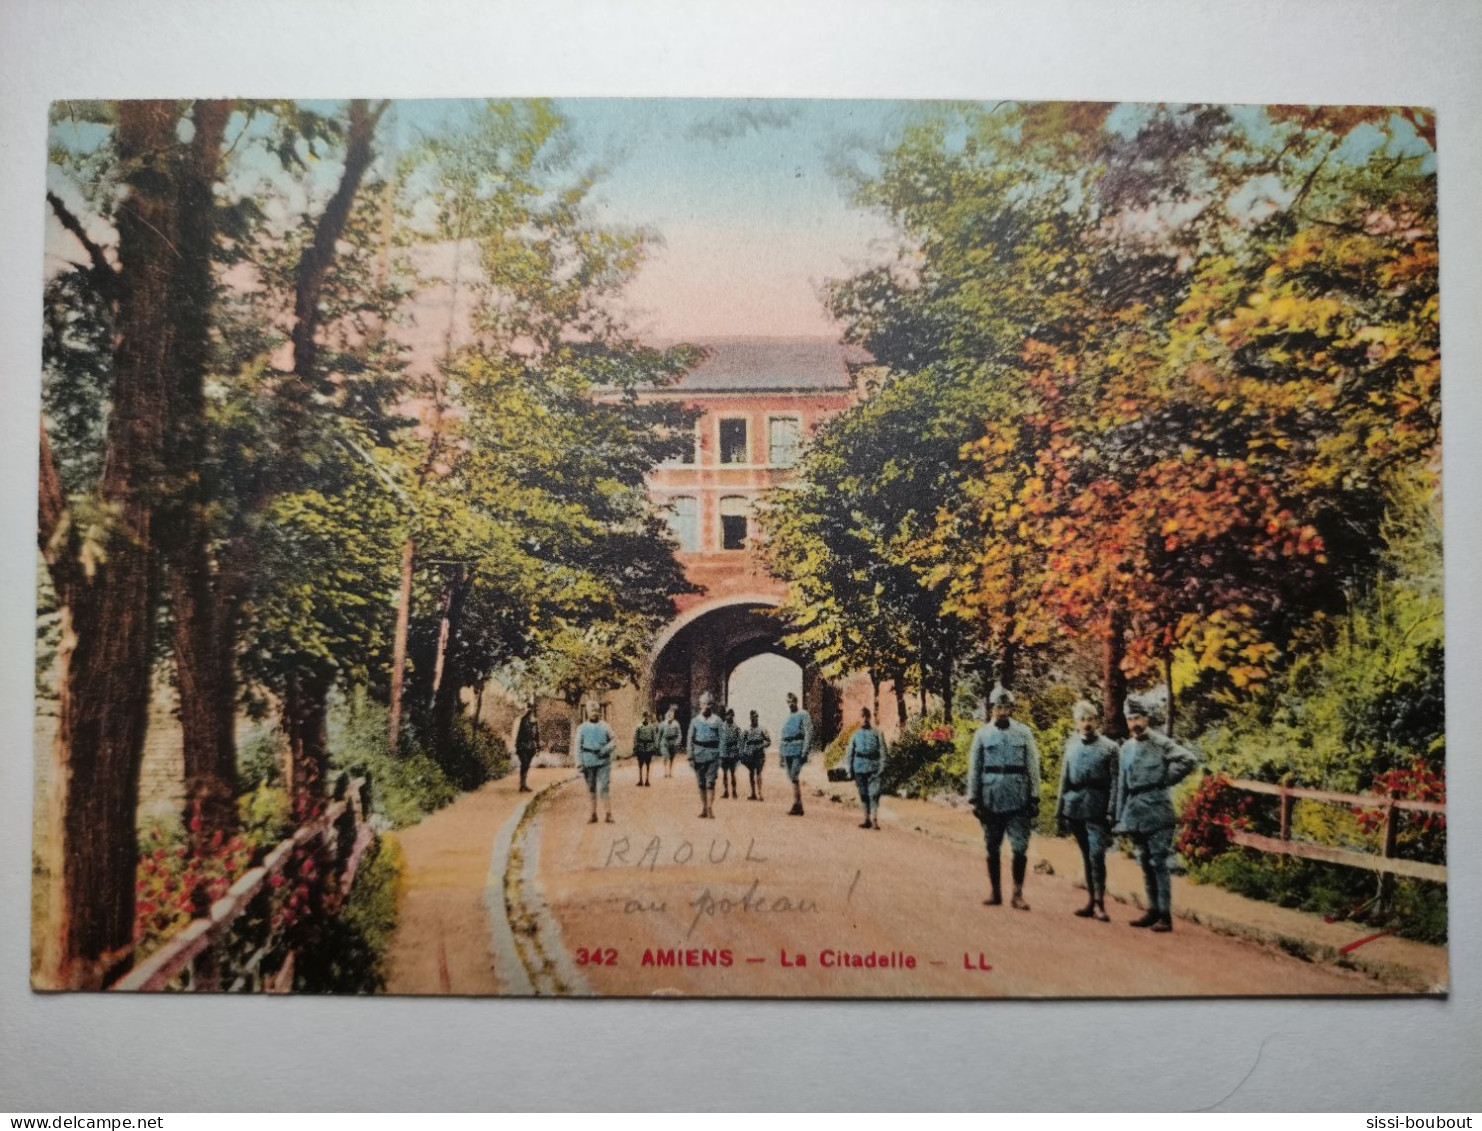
{"points": [[744, 364]]}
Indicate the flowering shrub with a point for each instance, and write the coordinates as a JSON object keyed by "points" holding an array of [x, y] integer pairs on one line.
{"points": [[1415, 782], [928, 757], [171, 887], [1212, 811]]}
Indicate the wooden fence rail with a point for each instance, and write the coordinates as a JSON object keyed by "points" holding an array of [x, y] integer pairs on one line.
{"points": [[1387, 862], [192, 960]]}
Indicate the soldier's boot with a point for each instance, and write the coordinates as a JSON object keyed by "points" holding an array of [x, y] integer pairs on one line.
{"points": [[995, 884], [1164, 923], [1101, 915], [1020, 866], [1090, 909], [1153, 916]]}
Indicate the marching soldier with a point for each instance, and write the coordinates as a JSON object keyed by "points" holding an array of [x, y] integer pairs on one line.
{"points": [[527, 743], [671, 738], [797, 741], [1087, 774], [730, 754], [866, 759], [1003, 789], [754, 743], [595, 744], [645, 746], [707, 730], [1150, 764]]}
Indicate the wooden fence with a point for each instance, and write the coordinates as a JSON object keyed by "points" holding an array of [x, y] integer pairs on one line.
{"points": [[1387, 861], [215, 952]]}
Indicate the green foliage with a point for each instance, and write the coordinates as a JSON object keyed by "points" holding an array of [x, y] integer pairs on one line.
{"points": [[266, 814], [474, 756], [350, 952], [260, 760], [929, 757], [404, 788]]}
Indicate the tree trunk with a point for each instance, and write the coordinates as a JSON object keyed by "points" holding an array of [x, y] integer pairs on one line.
{"points": [[204, 609], [1113, 679], [447, 679], [948, 685], [399, 646], [1168, 682], [107, 610], [899, 687], [305, 709]]}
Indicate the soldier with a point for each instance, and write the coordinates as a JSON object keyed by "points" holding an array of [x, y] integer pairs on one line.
{"points": [[730, 754], [645, 746], [866, 758], [796, 743], [754, 744], [671, 738], [1150, 764], [527, 742], [1003, 789], [595, 744], [706, 732], [1087, 773]]}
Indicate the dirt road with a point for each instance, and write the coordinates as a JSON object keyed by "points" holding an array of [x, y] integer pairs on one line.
{"points": [[758, 903]]}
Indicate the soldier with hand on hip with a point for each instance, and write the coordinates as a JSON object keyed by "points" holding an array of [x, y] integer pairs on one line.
{"points": [[797, 741], [707, 730], [671, 738], [1003, 789], [595, 744], [1087, 773], [1150, 764], [754, 744], [866, 759]]}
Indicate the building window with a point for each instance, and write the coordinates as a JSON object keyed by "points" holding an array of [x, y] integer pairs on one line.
{"points": [[684, 521], [733, 440], [735, 517], [784, 440]]}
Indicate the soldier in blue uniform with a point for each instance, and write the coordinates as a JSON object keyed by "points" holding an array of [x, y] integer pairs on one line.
{"points": [[730, 754], [595, 744], [866, 759], [706, 733], [1088, 772], [645, 746], [1003, 789], [1151, 763], [671, 738], [796, 743], [754, 744]]}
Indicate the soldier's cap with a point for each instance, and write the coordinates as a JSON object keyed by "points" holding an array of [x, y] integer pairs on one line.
{"points": [[1001, 697], [1139, 705]]}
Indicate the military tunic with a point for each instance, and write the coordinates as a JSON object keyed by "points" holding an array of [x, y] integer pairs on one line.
{"points": [[704, 746], [866, 760], [797, 741], [1142, 807], [1088, 773], [730, 746], [527, 739], [754, 744], [671, 736], [1003, 784], [646, 742], [595, 744]]}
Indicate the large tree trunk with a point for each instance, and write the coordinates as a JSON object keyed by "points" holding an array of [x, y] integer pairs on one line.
{"points": [[898, 685], [448, 680], [305, 710], [1113, 678], [202, 602], [108, 608], [1168, 682]]}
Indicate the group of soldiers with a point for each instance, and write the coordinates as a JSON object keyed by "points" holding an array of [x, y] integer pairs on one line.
{"points": [[1106, 789]]}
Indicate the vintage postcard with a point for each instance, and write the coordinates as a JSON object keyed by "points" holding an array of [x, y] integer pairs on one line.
{"points": [[740, 548]]}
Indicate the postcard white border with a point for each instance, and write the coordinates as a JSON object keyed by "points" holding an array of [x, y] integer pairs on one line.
{"points": [[84, 1053]]}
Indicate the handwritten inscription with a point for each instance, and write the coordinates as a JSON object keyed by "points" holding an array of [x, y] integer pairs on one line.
{"points": [[656, 852]]}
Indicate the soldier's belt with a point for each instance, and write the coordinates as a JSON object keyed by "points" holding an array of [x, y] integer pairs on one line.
{"points": [[706, 745], [1089, 784], [1136, 789], [1003, 770]]}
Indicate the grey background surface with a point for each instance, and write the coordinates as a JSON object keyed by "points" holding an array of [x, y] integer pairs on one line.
{"points": [[85, 1053]]}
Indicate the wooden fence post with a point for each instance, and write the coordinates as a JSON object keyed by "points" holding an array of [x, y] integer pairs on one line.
{"points": [[1391, 850], [1286, 802]]}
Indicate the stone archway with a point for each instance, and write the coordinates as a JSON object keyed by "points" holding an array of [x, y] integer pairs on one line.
{"points": [[700, 649]]}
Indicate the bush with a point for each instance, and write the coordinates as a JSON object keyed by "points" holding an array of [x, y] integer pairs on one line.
{"points": [[260, 760], [475, 755], [405, 788], [349, 951], [928, 757], [266, 815]]}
